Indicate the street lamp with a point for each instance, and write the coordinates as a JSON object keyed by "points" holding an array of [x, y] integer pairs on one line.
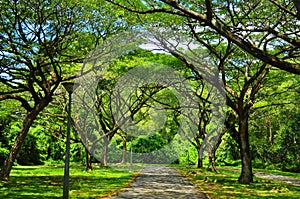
{"points": [[189, 156], [69, 86], [131, 156]]}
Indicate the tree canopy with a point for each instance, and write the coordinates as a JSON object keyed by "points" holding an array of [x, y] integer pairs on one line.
{"points": [[275, 22]]}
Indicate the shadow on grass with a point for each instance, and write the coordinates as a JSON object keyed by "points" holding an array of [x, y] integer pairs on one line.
{"points": [[32, 187], [25, 168]]}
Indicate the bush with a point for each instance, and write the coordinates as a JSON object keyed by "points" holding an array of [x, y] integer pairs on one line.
{"points": [[29, 153], [228, 152], [190, 157], [3, 154], [151, 145]]}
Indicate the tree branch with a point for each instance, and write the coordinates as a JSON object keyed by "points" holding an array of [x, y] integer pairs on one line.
{"points": [[23, 101], [284, 8]]}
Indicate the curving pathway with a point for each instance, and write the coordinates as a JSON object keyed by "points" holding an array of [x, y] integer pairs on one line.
{"points": [[159, 183], [270, 176], [280, 178]]}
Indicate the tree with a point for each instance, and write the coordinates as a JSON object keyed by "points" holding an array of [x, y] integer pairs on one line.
{"points": [[275, 21], [39, 47]]}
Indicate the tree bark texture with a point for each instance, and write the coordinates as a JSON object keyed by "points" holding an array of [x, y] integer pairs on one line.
{"points": [[246, 173], [124, 152], [105, 151], [200, 159], [88, 162]]}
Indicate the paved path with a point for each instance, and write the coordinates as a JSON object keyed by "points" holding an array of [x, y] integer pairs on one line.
{"points": [[159, 183], [279, 178], [269, 176]]}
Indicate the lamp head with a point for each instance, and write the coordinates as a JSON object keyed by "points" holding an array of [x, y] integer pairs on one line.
{"points": [[69, 86]]}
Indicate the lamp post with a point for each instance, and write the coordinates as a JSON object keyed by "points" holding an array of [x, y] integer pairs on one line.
{"points": [[131, 156], [69, 88], [189, 156]]}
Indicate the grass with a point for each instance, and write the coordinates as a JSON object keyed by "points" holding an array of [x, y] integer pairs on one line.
{"points": [[47, 182], [224, 185]]}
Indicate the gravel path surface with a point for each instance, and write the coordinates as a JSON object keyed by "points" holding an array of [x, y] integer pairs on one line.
{"points": [[160, 183]]}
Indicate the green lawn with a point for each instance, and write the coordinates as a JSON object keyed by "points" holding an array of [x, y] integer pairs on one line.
{"points": [[224, 185], [47, 182]]}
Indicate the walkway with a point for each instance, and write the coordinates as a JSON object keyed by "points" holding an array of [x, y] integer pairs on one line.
{"points": [[159, 183], [269, 176], [280, 178]]}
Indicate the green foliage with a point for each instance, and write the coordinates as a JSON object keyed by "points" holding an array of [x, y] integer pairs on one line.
{"points": [[115, 152], [275, 124], [29, 154], [3, 154], [149, 144], [8, 124], [189, 157], [43, 143], [280, 149]]}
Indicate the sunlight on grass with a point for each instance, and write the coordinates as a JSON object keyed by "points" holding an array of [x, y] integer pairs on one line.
{"points": [[224, 185], [47, 182]]}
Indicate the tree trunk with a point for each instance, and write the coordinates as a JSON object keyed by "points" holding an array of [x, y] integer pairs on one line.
{"points": [[105, 151], [88, 163], [27, 122], [270, 135], [49, 152], [212, 152], [200, 159], [124, 151], [212, 162], [212, 158], [79, 153], [246, 173]]}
